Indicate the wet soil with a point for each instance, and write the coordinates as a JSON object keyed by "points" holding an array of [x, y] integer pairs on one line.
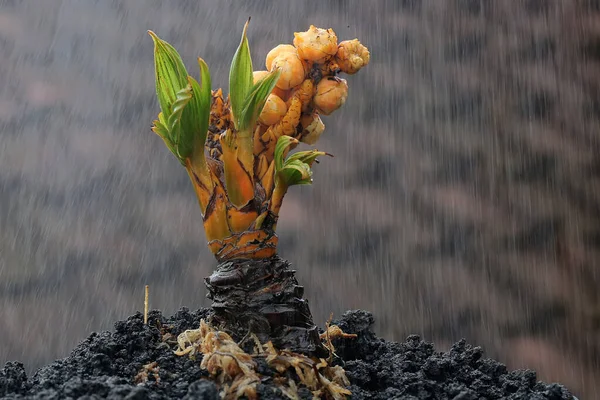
{"points": [[108, 365]]}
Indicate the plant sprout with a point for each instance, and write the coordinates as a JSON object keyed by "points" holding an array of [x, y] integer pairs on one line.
{"points": [[236, 150]]}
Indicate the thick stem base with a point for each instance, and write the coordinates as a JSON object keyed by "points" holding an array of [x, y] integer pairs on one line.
{"points": [[263, 297]]}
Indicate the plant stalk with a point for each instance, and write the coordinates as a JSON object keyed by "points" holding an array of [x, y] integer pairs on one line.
{"points": [[277, 200], [262, 297]]}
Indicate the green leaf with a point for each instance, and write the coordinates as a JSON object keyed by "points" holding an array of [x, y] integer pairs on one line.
{"points": [[181, 70], [282, 144], [162, 119], [178, 136], [296, 172], [256, 100], [307, 157], [195, 116], [206, 95], [161, 130], [195, 127], [240, 77], [170, 73], [182, 99]]}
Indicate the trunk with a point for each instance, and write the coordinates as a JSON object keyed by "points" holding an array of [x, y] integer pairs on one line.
{"points": [[263, 297]]}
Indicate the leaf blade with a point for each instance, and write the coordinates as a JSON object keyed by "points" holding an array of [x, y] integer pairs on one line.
{"points": [[240, 76], [256, 99], [174, 122], [308, 156], [197, 115], [169, 72], [161, 130], [280, 147], [205, 90], [296, 172]]}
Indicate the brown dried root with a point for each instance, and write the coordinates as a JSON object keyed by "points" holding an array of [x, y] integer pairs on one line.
{"points": [[333, 332], [224, 360], [234, 369], [148, 369], [290, 390], [315, 375]]}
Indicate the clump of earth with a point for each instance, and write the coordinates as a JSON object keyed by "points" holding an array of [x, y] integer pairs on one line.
{"points": [[135, 362]]}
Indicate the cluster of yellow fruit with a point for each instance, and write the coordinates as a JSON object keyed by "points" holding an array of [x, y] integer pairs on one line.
{"points": [[308, 85]]}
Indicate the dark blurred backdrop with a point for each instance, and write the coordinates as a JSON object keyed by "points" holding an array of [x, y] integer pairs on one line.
{"points": [[463, 201]]}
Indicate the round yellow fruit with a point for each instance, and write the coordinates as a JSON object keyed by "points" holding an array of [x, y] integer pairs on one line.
{"points": [[316, 44], [352, 56], [292, 70], [273, 110], [331, 94], [277, 51]]}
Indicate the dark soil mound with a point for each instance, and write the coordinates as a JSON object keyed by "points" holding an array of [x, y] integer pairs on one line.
{"points": [[106, 365]]}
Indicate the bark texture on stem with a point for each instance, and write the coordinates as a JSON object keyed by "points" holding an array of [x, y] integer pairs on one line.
{"points": [[263, 297]]}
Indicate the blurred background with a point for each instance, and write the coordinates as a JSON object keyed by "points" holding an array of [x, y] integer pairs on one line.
{"points": [[463, 199]]}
